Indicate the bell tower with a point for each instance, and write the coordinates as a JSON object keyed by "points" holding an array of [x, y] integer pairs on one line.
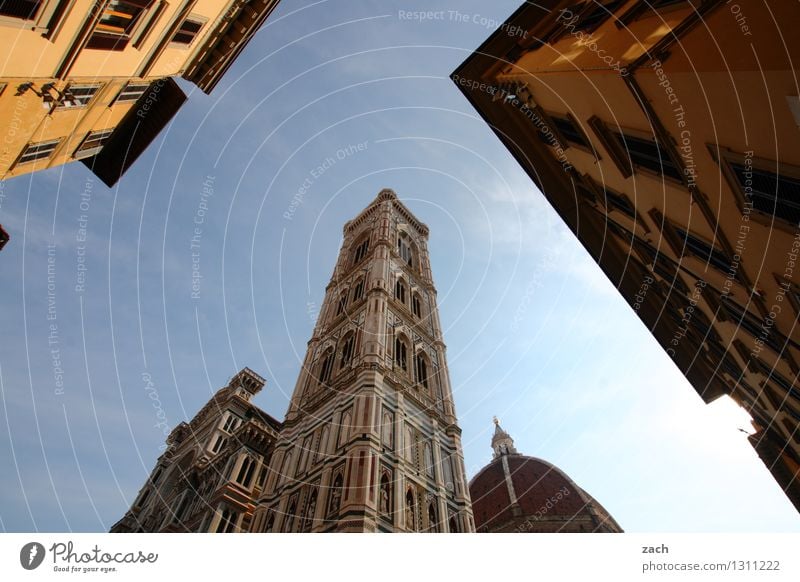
{"points": [[371, 441]]}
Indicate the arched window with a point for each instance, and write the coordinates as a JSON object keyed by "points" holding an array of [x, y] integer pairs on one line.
{"points": [[347, 350], [246, 471], [433, 521], [270, 521], [404, 250], [358, 290], [342, 303], [361, 251], [326, 367], [385, 500], [421, 371], [411, 511], [400, 351], [411, 446], [335, 500], [400, 291], [227, 522], [416, 305]]}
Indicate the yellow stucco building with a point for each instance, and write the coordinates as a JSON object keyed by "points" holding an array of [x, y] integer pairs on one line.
{"points": [[665, 134], [92, 80]]}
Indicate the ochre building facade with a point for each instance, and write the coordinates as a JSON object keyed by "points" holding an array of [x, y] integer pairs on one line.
{"points": [[92, 80], [665, 134]]}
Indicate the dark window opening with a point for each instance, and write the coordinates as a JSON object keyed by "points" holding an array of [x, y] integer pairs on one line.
{"points": [[770, 192]]}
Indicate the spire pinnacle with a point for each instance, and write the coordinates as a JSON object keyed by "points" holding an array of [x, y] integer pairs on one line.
{"points": [[502, 443]]}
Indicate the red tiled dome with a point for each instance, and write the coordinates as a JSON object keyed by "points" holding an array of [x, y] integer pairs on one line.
{"points": [[519, 493]]}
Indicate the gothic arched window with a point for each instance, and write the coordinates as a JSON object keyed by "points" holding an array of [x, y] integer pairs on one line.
{"points": [[416, 305], [400, 291], [246, 471], [421, 371], [405, 251], [358, 290], [342, 303], [453, 524], [270, 522], [361, 251], [227, 522], [287, 462], [326, 367], [347, 350], [400, 352]]}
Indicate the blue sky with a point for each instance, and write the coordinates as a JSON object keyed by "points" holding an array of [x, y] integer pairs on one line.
{"points": [[536, 335]]}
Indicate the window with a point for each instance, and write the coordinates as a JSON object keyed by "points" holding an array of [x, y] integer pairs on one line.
{"points": [[344, 428], [116, 24], [415, 306], [631, 152], [433, 521], [24, 9], [231, 423], [404, 250], [617, 201], [77, 96], [132, 92], [770, 192], [400, 354], [227, 521], [342, 304], [38, 151], [400, 291], [647, 154], [752, 324], [361, 251], [703, 250], [347, 350], [92, 143], [422, 371], [219, 443], [358, 291], [570, 132], [326, 367], [187, 31], [246, 471]]}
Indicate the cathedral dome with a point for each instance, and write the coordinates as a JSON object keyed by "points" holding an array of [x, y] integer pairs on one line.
{"points": [[517, 493]]}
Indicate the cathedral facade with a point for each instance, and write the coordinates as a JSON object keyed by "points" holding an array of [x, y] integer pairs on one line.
{"points": [[370, 441]]}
